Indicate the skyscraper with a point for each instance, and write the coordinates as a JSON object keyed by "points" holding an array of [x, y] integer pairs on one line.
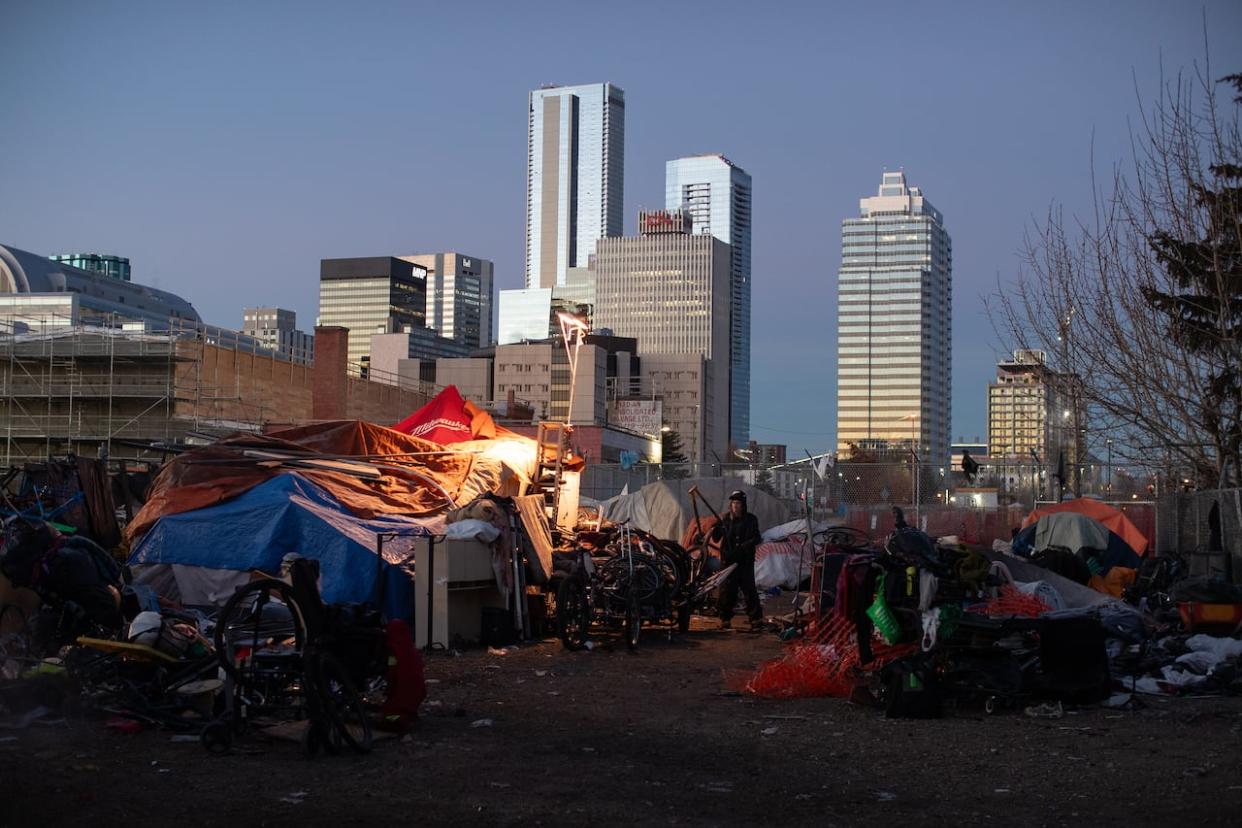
{"points": [[575, 177], [716, 193], [894, 330], [669, 289], [459, 296]]}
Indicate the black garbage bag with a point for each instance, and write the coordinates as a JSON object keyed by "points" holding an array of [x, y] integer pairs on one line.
{"points": [[912, 688]]}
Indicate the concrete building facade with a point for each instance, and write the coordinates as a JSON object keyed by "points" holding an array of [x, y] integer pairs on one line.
{"points": [[670, 290], [539, 373], [894, 340], [277, 329], [717, 195]]}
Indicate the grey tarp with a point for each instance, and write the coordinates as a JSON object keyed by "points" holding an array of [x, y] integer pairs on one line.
{"points": [[663, 508]]}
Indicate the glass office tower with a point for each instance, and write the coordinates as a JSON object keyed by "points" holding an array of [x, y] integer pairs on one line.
{"points": [[575, 177], [716, 193], [894, 326]]}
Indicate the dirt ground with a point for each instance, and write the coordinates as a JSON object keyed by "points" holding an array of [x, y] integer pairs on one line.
{"points": [[547, 737]]}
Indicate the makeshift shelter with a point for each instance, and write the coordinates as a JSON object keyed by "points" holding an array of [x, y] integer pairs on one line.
{"points": [[1079, 534], [321, 491], [1112, 519], [201, 556], [370, 470], [664, 508]]}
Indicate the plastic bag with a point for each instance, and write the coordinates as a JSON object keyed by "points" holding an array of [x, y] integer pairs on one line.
{"points": [[882, 616]]}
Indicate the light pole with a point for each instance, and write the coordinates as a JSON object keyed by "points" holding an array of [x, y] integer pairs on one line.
{"points": [[1109, 444]]}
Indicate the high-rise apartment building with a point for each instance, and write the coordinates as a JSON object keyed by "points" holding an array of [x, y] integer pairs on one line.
{"points": [[575, 177], [459, 296], [670, 289], [116, 267], [1031, 416], [277, 329], [375, 294], [716, 192], [894, 329]]}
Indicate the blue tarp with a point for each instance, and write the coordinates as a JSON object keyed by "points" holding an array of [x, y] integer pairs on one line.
{"points": [[287, 514]]}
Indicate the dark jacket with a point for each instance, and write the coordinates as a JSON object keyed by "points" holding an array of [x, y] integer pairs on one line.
{"points": [[741, 536]]}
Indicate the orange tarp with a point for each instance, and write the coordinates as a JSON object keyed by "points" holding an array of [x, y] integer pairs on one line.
{"points": [[219, 472], [1115, 521]]}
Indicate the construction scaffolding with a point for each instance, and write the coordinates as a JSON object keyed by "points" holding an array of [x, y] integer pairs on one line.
{"points": [[103, 391]]}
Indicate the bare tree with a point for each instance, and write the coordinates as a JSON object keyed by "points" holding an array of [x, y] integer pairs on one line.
{"points": [[1143, 303]]}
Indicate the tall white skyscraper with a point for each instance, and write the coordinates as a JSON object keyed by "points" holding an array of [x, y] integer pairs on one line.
{"points": [[894, 325], [575, 177], [716, 193]]}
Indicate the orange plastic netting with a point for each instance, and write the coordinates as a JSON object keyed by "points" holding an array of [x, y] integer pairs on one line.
{"points": [[824, 663], [1011, 602]]}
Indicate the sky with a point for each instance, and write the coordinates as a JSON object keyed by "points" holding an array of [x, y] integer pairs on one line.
{"points": [[226, 148]]}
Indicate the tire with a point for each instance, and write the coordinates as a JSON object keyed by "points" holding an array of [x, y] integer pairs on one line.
{"points": [[345, 718], [572, 614], [241, 624]]}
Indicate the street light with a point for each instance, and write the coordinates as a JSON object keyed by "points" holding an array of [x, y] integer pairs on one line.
{"points": [[570, 325]]}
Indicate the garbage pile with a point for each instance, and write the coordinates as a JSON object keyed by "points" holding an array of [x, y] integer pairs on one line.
{"points": [[918, 626]]}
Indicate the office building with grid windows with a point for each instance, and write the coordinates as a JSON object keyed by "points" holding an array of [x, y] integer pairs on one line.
{"points": [[459, 296], [894, 326], [669, 288], [370, 295], [716, 193]]}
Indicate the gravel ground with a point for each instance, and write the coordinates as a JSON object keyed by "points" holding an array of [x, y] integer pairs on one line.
{"points": [[610, 737]]}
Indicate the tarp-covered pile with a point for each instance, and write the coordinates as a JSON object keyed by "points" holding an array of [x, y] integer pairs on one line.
{"points": [[321, 491]]}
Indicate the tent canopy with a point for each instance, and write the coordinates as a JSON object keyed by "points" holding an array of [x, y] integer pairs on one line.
{"points": [[1075, 531], [1114, 520], [286, 514], [450, 418], [663, 508]]}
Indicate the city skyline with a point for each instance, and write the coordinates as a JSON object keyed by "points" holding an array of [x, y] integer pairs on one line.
{"points": [[284, 173]]}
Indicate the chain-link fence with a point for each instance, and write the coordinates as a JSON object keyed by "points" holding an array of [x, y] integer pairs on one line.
{"points": [[1205, 526]]}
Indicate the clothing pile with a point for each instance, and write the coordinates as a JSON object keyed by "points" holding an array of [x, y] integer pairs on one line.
{"points": [[909, 623]]}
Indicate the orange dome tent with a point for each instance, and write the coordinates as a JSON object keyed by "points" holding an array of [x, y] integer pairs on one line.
{"points": [[1115, 521]]}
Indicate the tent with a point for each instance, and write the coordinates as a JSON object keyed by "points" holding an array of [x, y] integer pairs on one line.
{"points": [[450, 418], [201, 556], [1114, 520], [663, 508], [1076, 532]]}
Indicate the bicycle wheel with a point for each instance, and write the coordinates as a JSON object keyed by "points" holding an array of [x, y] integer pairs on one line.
{"points": [[260, 632], [572, 614], [346, 721]]}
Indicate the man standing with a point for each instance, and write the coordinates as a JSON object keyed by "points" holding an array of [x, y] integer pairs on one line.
{"points": [[739, 538]]}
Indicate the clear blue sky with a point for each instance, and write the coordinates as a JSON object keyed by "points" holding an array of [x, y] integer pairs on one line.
{"points": [[227, 147]]}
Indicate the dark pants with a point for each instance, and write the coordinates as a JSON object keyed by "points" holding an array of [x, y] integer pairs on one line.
{"points": [[742, 578]]}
